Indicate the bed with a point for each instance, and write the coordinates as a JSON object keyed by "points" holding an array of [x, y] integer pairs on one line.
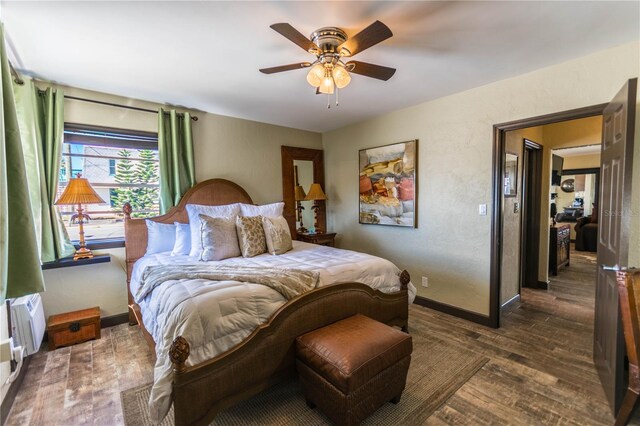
{"points": [[262, 354]]}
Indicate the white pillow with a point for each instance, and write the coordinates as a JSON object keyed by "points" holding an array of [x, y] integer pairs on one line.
{"points": [[161, 237], [219, 238], [183, 239], [195, 210], [267, 210]]}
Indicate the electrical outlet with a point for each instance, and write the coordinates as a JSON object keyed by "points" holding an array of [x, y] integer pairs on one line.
{"points": [[425, 282], [482, 209]]}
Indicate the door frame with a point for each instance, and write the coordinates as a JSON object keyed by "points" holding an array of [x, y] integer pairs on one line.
{"points": [[499, 145], [530, 217]]}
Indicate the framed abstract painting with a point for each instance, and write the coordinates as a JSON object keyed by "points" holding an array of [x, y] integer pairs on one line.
{"points": [[388, 194]]}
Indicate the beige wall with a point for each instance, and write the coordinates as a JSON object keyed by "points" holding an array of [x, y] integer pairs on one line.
{"points": [[245, 152], [582, 161], [452, 243]]}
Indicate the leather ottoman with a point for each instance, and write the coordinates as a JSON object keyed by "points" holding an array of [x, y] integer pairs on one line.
{"points": [[352, 367]]}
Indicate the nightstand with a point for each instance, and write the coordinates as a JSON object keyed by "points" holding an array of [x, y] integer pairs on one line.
{"points": [[325, 239]]}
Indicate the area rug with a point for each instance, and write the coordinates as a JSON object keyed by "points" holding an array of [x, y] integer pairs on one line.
{"points": [[437, 370]]}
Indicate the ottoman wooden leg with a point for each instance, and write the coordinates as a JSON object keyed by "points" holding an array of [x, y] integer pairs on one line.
{"points": [[396, 399]]}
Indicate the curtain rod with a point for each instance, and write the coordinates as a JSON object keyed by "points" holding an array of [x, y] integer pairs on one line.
{"points": [[16, 76], [76, 98]]}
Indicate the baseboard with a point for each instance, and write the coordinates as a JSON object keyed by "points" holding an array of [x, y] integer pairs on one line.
{"points": [[539, 285], [112, 320], [452, 310], [511, 302], [7, 402]]}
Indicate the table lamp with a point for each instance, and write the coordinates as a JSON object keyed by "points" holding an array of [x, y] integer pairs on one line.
{"points": [[79, 191], [316, 194]]}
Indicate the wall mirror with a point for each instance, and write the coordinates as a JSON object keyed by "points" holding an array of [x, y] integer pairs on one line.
{"points": [[302, 167], [511, 175]]}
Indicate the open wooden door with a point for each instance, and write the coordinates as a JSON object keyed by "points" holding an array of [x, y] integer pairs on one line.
{"points": [[613, 242]]}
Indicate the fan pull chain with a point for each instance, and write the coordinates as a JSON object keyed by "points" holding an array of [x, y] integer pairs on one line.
{"points": [[337, 102], [328, 101]]}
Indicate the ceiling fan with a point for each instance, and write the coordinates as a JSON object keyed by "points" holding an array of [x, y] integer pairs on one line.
{"points": [[331, 45]]}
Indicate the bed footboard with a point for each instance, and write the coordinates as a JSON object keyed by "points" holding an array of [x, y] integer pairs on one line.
{"points": [[267, 356]]}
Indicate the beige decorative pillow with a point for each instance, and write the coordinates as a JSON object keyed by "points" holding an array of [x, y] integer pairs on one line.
{"points": [[219, 238], [251, 235], [277, 235]]}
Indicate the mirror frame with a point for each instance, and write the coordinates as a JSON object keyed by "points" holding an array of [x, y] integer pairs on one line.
{"points": [[289, 154]]}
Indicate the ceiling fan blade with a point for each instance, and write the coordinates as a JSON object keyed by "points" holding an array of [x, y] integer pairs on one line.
{"points": [[370, 36], [281, 68], [295, 36], [370, 70]]}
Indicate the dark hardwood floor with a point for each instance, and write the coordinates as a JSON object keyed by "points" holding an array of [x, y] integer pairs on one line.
{"points": [[540, 369]]}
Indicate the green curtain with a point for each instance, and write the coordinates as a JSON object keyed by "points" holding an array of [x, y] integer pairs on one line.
{"points": [[41, 120], [175, 149], [20, 270]]}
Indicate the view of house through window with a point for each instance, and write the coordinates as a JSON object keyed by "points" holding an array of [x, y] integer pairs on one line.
{"points": [[121, 165]]}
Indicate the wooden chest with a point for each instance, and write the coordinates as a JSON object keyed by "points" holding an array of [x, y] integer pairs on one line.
{"points": [[73, 327], [559, 247]]}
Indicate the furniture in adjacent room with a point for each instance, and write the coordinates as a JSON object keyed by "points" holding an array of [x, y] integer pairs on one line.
{"points": [[351, 368], [73, 327], [323, 239], [267, 355], [628, 294], [291, 154], [559, 247], [586, 234]]}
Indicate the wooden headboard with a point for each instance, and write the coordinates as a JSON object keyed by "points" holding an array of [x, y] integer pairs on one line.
{"points": [[213, 192]]}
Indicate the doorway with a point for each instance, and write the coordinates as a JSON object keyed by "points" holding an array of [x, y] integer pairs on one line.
{"points": [[613, 251]]}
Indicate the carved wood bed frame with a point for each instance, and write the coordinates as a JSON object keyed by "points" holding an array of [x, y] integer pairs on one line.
{"points": [[267, 356]]}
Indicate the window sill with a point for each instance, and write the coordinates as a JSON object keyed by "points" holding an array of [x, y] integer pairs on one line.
{"points": [[102, 244], [69, 262]]}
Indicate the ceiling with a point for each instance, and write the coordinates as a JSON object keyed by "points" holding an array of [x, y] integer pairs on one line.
{"points": [[578, 150], [206, 55]]}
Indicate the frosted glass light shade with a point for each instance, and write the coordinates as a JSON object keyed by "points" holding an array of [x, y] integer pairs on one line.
{"points": [[315, 75], [341, 76], [327, 85]]}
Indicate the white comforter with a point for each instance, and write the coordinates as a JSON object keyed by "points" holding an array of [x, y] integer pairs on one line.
{"points": [[215, 316]]}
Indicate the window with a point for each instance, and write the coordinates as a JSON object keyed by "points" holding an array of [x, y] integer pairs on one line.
{"points": [[122, 166]]}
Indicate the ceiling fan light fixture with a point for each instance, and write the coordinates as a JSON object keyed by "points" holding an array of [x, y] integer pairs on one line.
{"points": [[315, 75], [341, 76], [328, 72]]}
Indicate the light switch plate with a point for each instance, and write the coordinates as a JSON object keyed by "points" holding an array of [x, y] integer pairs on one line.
{"points": [[425, 282], [482, 209]]}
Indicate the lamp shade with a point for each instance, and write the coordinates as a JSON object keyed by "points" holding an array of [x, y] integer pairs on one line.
{"points": [[315, 75], [341, 76], [299, 193], [315, 193], [79, 191]]}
